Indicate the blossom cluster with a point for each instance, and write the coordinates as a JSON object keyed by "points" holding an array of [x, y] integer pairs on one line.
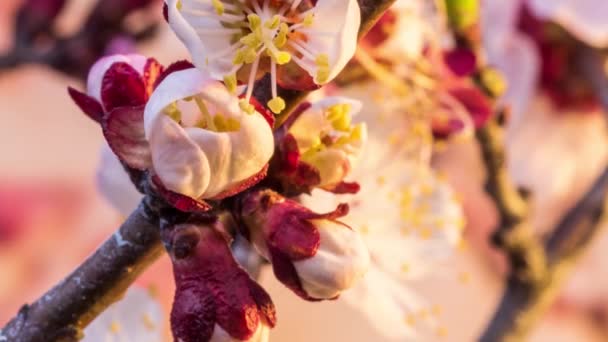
{"points": [[198, 137]]}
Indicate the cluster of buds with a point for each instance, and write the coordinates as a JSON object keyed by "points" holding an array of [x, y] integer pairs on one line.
{"points": [[194, 138], [36, 38]]}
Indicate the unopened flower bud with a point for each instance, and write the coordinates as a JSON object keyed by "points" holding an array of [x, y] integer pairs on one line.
{"points": [[313, 254], [203, 145], [215, 299], [324, 138]]}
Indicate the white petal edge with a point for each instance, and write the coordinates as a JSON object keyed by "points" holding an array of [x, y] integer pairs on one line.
{"points": [[341, 260]]}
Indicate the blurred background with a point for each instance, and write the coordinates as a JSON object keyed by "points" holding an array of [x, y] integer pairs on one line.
{"points": [[52, 216]]}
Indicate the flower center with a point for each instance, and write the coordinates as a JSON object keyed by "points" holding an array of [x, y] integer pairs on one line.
{"points": [[258, 29], [205, 116]]}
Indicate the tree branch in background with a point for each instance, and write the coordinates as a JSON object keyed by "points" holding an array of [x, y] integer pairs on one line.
{"points": [[62, 313], [524, 304]]}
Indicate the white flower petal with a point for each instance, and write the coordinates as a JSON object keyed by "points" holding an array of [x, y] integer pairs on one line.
{"points": [[177, 160], [202, 46], [334, 32], [137, 317], [341, 260], [199, 162], [115, 185], [262, 334], [586, 19]]}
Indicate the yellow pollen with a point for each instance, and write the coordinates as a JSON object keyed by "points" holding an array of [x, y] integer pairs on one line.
{"points": [[230, 81], [436, 310], [381, 180], [115, 327], [442, 332], [281, 39], [251, 40], [405, 267], [276, 105], [322, 63], [223, 124], [246, 107], [364, 229], [339, 116], [464, 277], [218, 6], [357, 132], [308, 19], [254, 21], [410, 320], [273, 23], [148, 322], [322, 60], [173, 112], [179, 5]]}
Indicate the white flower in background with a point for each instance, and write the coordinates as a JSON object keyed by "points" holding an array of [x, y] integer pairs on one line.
{"points": [[585, 19], [236, 39], [203, 144], [136, 317], [408, 216], [327, 138], [115, 185], [411, 222], [587, 288], [512, 52], [570, 150], [411, 26]]}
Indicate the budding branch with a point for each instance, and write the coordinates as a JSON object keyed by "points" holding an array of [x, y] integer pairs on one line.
{"points": [[62, 313]]}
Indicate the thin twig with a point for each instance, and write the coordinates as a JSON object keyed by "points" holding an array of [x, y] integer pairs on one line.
{"points": [[62, 313], [523, 304]]}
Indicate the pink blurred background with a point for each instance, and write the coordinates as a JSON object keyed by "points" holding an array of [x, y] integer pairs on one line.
{"points": [[51, 216]]}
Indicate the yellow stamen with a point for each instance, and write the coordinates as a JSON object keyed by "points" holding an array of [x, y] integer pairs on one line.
{"points": [[308, 19], [218, 6], [254, 21], [277, 105], [246, 107], [179, 5], [273, 23], [230, 81]]}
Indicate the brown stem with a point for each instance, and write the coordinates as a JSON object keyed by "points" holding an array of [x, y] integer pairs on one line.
{"points": [[62, 313], [524, 303]]}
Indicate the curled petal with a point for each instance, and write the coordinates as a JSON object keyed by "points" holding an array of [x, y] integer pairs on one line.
{"points": [[179, 163], [200, 162], [101, 67], [341, 260], [333, 32], [123, 129], [122, 86], [89, 105], [201, 46]]}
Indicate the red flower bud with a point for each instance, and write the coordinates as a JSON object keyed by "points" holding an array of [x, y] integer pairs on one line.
{"points": [[215, 299], [313, 254]]}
